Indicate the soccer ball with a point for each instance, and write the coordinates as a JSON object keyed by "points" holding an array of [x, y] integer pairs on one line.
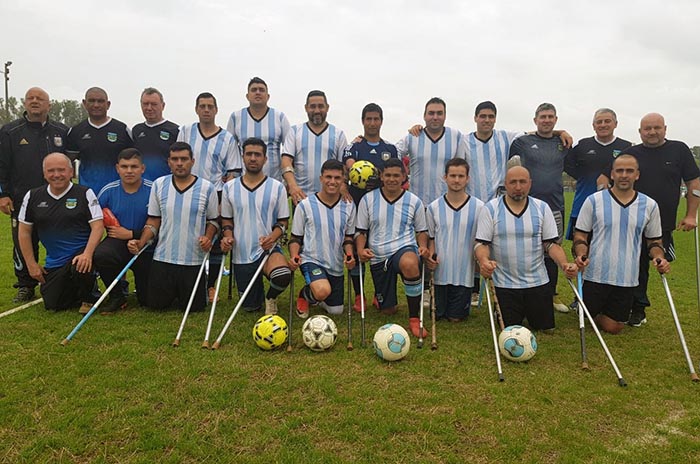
{"points": [[270, 332], [391, 342], [361, 172], [517, 343], [319, 333]]}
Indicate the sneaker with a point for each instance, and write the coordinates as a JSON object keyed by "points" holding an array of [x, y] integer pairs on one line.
{"points": [[414, 326], [211, 294], [475, 300], [24, 294], [573, 306], [375, 302], [113, 305], [271, 307], [302, 307], [390, 311], [357, 306], [637, 318], [85, 307], [426, 300], [559, 306]]}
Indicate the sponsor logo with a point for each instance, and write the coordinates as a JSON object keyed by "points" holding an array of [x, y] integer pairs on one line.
{"points": [[23, 142], [57, 141], [85, 136], [592, 152], [373, 151], [19, 265], [94, 202], [71, 203], [616, 153], [141, 135], [535, 147], [164, 135], [111, 137], [386, 155], [43, 204]]}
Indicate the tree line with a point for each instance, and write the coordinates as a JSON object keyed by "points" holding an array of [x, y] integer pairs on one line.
{"points": [[69, 112]]}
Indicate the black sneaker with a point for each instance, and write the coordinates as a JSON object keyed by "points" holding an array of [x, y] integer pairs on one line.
{"points": [[573, 306], [114, 304], [637, 318], [24, 294]]}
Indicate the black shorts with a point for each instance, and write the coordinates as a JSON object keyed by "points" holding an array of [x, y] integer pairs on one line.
{"points": [[452, 301], [168, 283], [66, 288], [313, 272], [384, 276], [244, 274], [611, 300], [533, 304]]}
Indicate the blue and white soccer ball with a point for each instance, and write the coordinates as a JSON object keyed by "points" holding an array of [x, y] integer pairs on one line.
{"points": [[391, 342], [517, 343], [319, 333]]}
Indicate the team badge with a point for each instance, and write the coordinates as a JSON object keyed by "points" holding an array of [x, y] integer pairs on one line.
{"points": [[112, 137], [560, 147], [57, 141], [316, 272], [164, 135], [386, 155], [71, 203], [616, 153]]}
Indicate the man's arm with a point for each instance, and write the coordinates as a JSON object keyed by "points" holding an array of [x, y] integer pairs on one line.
{"points": [[658, 256], [83, 261], [24, 234], [557, 254], [149, 232], [692, 198]]}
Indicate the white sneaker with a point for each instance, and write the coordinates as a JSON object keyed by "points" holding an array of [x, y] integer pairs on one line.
{"points": [[271, 307], [426, 300], [559, 306]]}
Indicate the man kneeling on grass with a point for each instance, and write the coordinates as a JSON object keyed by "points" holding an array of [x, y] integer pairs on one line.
{"points": [[392, 222], [615, 221]]}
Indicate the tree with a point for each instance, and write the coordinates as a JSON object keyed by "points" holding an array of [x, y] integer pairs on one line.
{"points": [[69, 112], [696, 153]]}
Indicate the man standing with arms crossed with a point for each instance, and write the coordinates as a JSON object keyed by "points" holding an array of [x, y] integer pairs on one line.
{"points": [[261, 121], [154, 136], [663, 164], [24, 144]]}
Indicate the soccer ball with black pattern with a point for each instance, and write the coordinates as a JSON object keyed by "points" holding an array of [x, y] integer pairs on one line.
{"points": [[517, 343], [319, 333], [361, 172], [391, 342], [270, 332]]}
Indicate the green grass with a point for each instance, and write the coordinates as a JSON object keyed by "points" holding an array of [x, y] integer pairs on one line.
{"points": [[120, 393]]}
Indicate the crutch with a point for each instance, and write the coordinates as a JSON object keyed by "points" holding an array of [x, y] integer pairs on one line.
{"points": [[205, 344], [582, 307], [349, 304], [176, 342], [217, 343], [362, 306], [230, 276], [291, 314], [422, 302], [21, 307], [494, 336], [433, 327], [100, 300], [582, 325]]}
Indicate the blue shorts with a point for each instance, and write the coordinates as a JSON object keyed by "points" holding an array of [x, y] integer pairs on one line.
{"points": [[313, 272], [384, 277]]}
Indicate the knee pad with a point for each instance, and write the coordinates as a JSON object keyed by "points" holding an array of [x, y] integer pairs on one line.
{"points": [[280, 277], [412, 286]]}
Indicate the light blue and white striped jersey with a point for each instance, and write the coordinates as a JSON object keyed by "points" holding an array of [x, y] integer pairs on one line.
{"points": [[310, 151], [453, 230], [427, 161], [213, 156], [487, 163], [254, 213], [617, 232], [271, 129], [390, 226], [516, 241], [324, 228], [183, 219]]}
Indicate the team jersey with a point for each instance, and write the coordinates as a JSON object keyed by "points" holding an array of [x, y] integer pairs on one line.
{"points": [[516, 241], [374, 152], [183, 215], [617, 232], [453, 230], [254, 213], [62, 221], [427, 160], [97, 148], [323, 229], [487, 163], [544, 158], [310, 150], [214, 156], [153, 141], [390, 226], [271, 128], [586, 161], [131, 209]]}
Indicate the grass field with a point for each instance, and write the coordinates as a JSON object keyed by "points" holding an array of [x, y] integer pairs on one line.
{"points": [[120, 393]]}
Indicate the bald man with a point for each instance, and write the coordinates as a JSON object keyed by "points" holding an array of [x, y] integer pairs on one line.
{"points": [[68, 219], [513, 234], [24, 144], [663, 164]]}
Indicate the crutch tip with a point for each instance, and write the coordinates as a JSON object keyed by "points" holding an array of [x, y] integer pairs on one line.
{"points": [[433, 346], [585, 367], [694, 377], [205, 345], [176, 343], [350, 347], [65, 341], [215, 346], [622, 382], [501, 378], [289, 348]]}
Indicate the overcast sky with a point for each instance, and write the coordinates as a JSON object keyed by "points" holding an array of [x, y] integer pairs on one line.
{"points": [[633, 56]]}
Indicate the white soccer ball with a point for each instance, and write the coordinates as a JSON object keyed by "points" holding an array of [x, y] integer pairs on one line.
{"points": [[517, 343], [391, 342], [360, 172], [319, 333]]}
